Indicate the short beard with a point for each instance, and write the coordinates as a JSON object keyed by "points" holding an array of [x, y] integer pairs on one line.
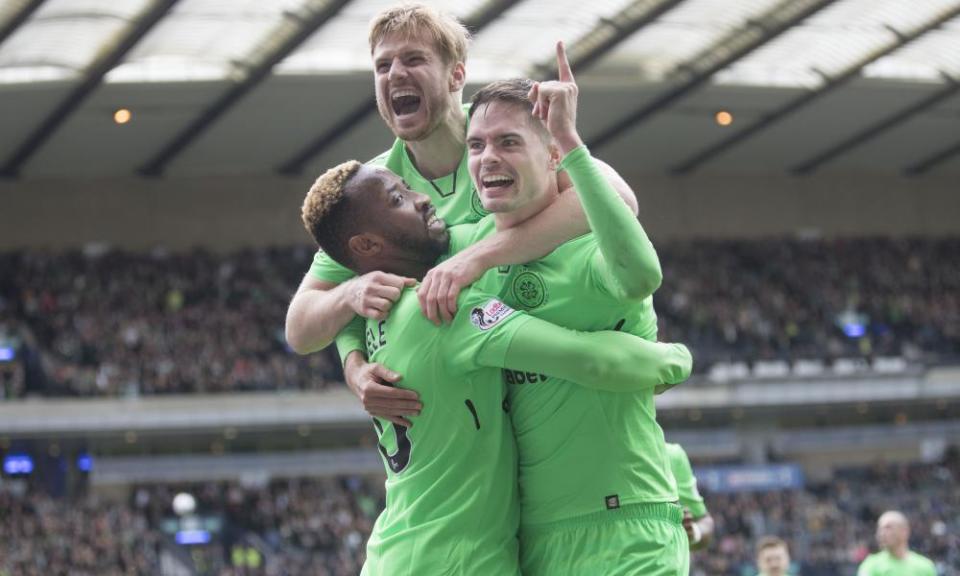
{"points": [[427, 250]]}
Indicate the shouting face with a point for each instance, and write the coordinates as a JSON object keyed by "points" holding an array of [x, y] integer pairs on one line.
{"points": [[415, 87]]}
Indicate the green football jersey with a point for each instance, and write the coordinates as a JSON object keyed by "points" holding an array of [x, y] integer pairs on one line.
{"points": [[325, 268], [451, 491], [581, 450], [884, 563], [690, 497], [454, 196]]}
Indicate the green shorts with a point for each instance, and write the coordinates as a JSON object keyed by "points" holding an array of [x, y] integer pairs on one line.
{"points": [[424, 555], [637, 539]]}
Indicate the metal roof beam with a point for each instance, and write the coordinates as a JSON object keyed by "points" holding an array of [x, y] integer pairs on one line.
{"points": [[19, 17], [699, 69], [608, 34], [476, 22], [91, 79], [293, 31], [932, 161], [832, 153], [830, 84]]}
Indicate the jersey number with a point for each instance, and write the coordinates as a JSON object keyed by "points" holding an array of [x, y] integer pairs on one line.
{"points": [[398, 460]]}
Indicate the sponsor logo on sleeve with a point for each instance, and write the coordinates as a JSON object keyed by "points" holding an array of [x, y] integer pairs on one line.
{"points": [[490, 314]]}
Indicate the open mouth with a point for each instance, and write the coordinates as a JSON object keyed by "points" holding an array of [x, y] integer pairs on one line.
{"points": [[433, 221], [405, 102], [496, 181]]}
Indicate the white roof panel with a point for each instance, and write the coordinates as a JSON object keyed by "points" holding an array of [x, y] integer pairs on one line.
{"points": [[681, 34], [831, 42], [63, 37], [923, 60], [527, 35], [202, 40]]}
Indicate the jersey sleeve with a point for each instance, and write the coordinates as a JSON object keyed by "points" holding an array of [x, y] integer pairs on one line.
{"points": [[351, 338], [327, 269], [606, 360], [596, 271], [690, 497], [624, 248], [481, 332]]}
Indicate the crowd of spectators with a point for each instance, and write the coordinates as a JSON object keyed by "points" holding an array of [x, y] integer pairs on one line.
{"points": [[99, 322], [813, 299], [306, 526], [117, 323], [319, 526], [831, 527], [41, 536]]}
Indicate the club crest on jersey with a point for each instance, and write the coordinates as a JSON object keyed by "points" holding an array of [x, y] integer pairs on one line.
{"points": [[490, 314], [529, 290]]}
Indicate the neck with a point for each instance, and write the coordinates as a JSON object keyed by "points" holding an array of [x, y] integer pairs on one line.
{"points": [[440, 152], [514, 218], [900, 551], [399, 264]]}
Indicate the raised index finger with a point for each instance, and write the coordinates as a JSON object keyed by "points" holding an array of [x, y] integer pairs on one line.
{"points": [[563, 66]]}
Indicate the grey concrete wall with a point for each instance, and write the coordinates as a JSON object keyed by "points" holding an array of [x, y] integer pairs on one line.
{"points": [[226, 212]]}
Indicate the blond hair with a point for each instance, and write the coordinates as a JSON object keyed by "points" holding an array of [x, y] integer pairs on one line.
{"points": [[771, 542], [325, 194], [448, 35]]}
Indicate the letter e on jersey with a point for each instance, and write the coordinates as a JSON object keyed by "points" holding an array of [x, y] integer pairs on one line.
{"points": [[490, 314]]}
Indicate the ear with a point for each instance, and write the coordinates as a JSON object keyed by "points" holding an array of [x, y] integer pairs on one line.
{"points": [[365, 245], [553, 156], [458, 77]]}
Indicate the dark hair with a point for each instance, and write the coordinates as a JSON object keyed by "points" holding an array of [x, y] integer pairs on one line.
{"points": [[513, 91]]}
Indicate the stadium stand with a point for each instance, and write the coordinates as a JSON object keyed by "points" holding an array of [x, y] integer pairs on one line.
{"points": [[319, 525], [810, 301], [226, 312]]}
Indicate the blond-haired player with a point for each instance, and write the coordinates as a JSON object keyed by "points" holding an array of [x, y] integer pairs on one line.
{"points": [[419, 59]]}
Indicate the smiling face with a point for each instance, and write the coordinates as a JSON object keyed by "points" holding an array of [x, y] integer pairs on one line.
{"points": [[415, 86], [511, 162], [399, 223]]}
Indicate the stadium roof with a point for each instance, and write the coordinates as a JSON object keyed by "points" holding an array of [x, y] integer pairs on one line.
{"points": [[249, 86]]}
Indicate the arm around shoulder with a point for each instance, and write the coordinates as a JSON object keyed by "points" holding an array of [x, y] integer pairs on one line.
{"points": [[620, 185], [317, 313], [626, 259], [610, 361]]}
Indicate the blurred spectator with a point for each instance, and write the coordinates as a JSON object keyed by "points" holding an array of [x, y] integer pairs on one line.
{"points": [[773, 557], [895, 556]]}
